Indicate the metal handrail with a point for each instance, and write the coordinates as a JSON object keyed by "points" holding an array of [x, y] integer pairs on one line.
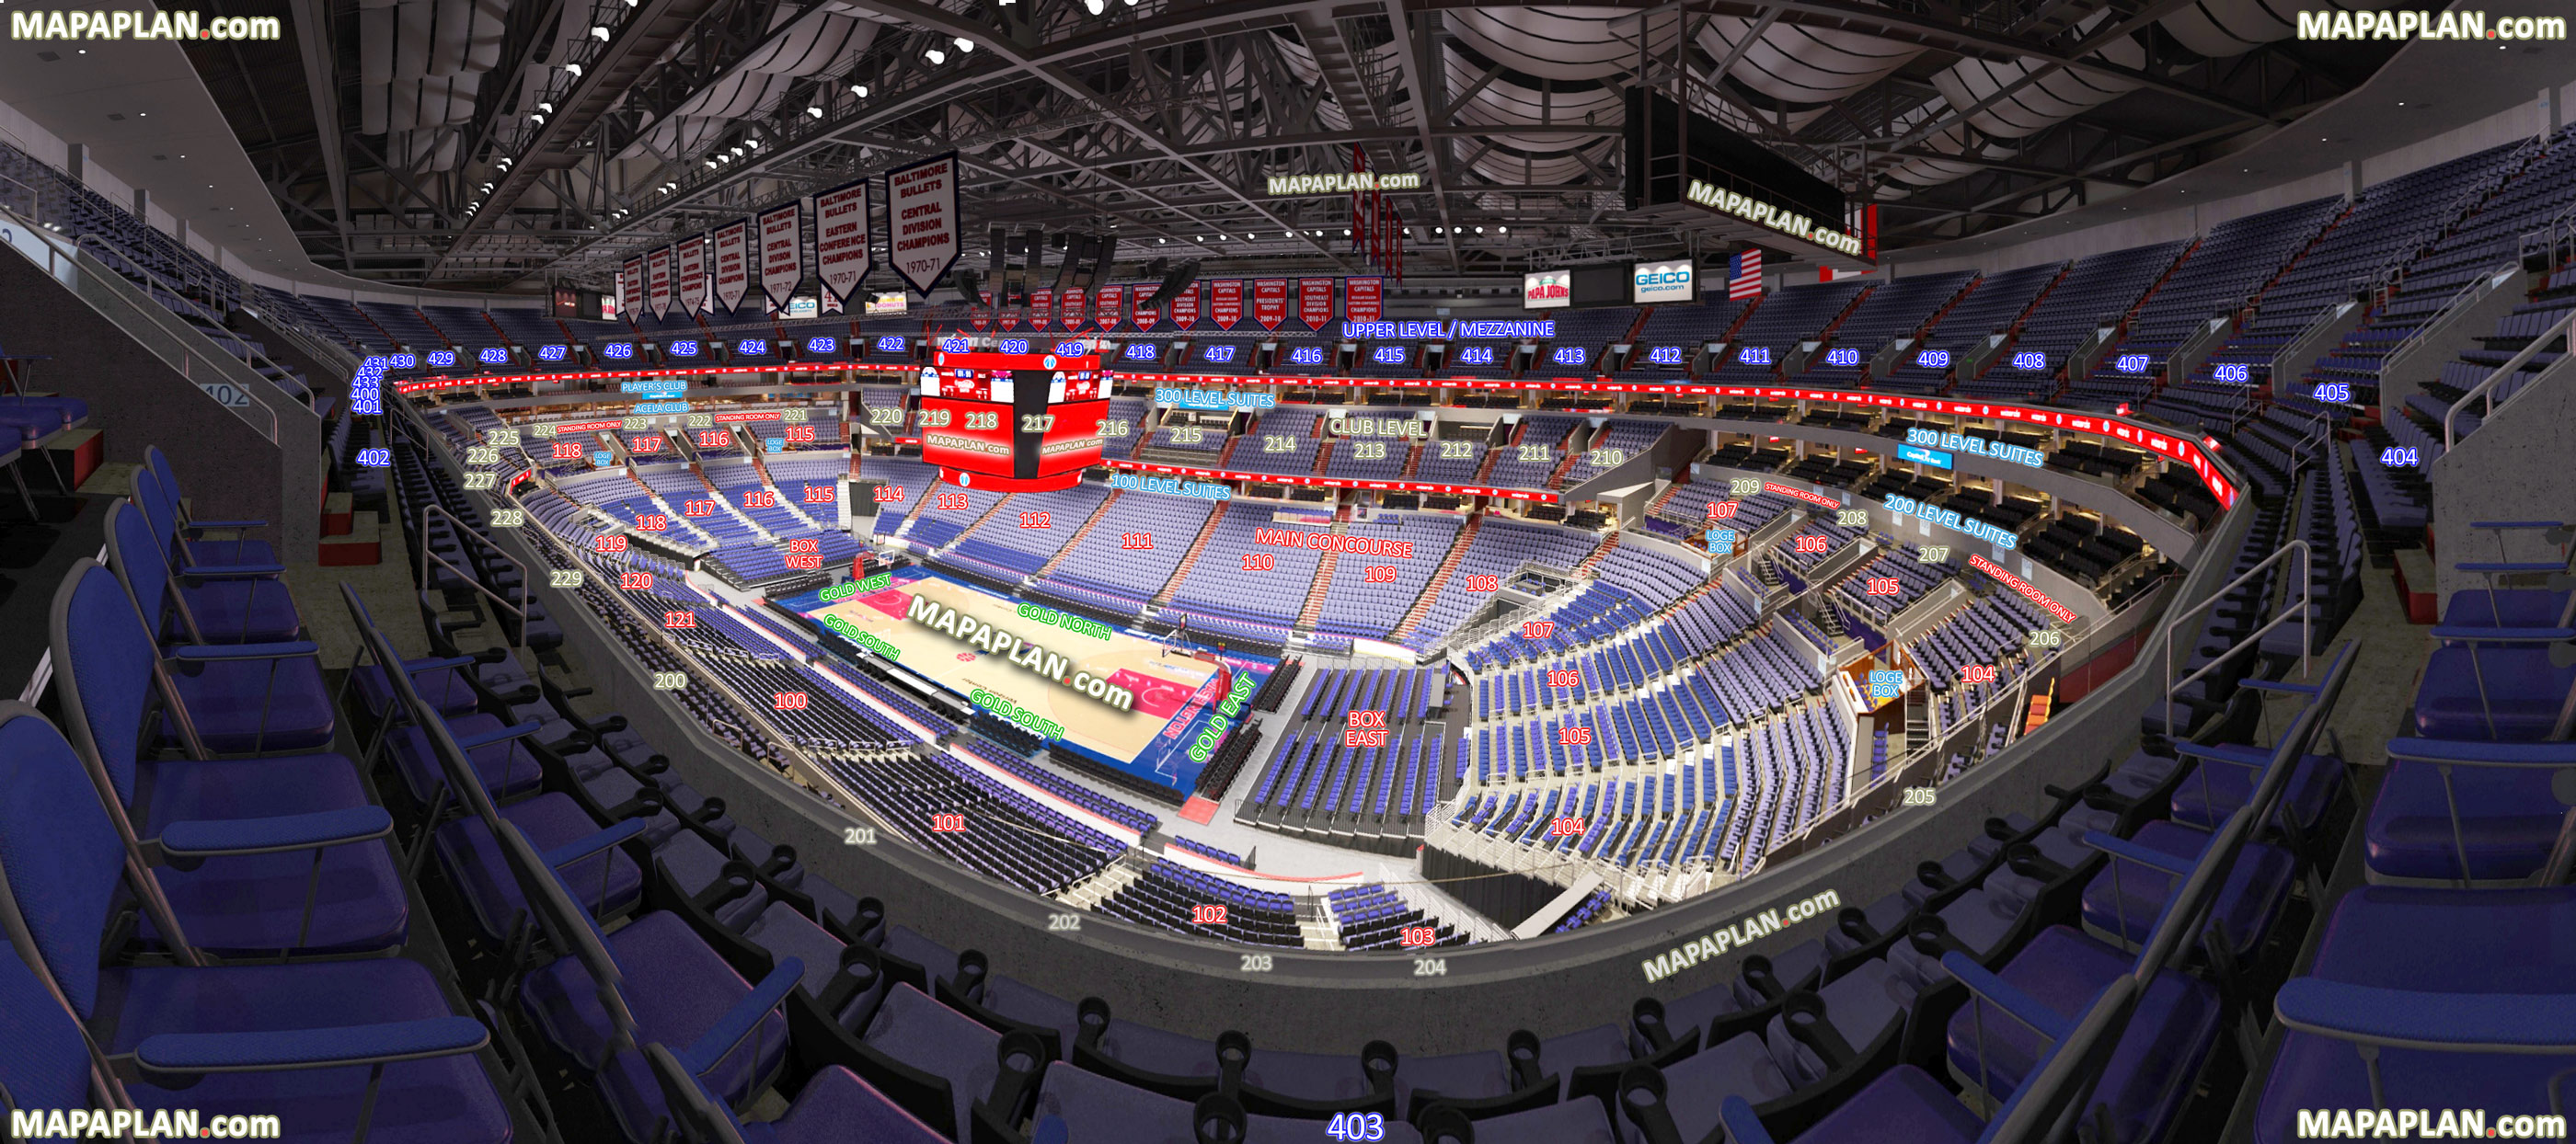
{"points": [[251, 357], [426, 556], [2469, 293], [2557, 332], [2307, 626], [2325, 316], [172, 345]]}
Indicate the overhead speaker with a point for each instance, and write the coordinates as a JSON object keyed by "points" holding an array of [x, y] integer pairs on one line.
{"points": [[1104, 255], [997, 263], [1175, 280], [1084, 261], [1028, 259], [1070, 244], [969, 285]]}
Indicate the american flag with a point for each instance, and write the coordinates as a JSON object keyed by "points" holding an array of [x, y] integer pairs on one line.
{"points": [[1744, 275]]}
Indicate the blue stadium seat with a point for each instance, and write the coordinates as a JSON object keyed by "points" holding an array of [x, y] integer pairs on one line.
{"points": [[231, 1039]]}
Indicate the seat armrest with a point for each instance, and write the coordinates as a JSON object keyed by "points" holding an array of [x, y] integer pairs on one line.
{"points": [[2464, 1022], [231, 571], [2238, 754], [505, 734], [280, 1050], [2122, 848], [2483, 754], [1742, 1126], [211, 837], [711, 1046], [584, 847], [2007, 996], [223, 525], [2474, 634], [417, 666], [216, 653]]}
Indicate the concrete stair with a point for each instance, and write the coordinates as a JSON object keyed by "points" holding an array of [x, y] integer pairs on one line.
{"points": [[1097, 515], [1439, 579], [1190, 559]]}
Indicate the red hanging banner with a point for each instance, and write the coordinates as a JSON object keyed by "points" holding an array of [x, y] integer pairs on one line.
{"points": [[1315, 302], [1111, 306], [1364, 299], [1185, 306], [1145, 315], [981, 311], [1270, 302], [1041, 307], [1225, 302], [1072, 305]]}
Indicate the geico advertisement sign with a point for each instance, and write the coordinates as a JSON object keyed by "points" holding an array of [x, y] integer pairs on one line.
{"points": [[1652, 282]]}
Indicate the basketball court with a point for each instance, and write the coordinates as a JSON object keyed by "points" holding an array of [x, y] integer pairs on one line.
{"points": [[1176, 686]]}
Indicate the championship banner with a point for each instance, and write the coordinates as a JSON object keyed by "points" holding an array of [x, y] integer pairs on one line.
{"points": [[1008, 317], [1364, 299], [923, 221], [979, 311], [1185, 306], [841, 255], [657, 281], [1225, 302], [1041, 307], [689, 270], [630, 289], [1072, 305], [1315, 302], [733, 264], [782, 253], [1111, 306], [1270, 302], [1144, 315]]}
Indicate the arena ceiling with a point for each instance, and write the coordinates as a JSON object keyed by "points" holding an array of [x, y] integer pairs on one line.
{"points": [[492, 144]]}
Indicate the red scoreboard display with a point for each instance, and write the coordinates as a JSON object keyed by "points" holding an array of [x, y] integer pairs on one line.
{"points": [[1014, 422]]}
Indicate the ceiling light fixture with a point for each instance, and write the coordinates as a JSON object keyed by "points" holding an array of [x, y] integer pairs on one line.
{"points": [[711, 164], [934, 55], [859, 89], [816, 111], [536, 118], [575, 69], [1096, 6], [964, 44], [543, 106], [599, 32]]}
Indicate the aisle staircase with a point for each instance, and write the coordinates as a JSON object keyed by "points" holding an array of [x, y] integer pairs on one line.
{"points": [[1439, 580], [1314, 608], [1316, 923], [1075, 541], [998, 508], [1190, 559], [1607, 547]]}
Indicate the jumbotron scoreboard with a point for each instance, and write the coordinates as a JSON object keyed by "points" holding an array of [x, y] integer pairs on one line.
{"points": [[1017, 422]]}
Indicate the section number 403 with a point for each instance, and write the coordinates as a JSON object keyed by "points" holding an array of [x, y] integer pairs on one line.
{"points": [[1359, 1126]]}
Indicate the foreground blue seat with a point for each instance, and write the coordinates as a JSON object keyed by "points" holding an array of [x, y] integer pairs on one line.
{"points": [[2489, 1023], [2491, 692], [331, 1048], [653, 980], [159, 498], [203, 604], [834, 1106], [227, 698], [2467, 812]]}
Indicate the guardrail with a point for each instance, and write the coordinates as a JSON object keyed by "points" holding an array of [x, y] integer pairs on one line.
{"points": [[284, 378], [2307, 628], [152, 326], [2469, 294], [2557, 332]]}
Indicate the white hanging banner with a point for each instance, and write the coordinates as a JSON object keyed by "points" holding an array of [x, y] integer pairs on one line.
{"points": [[841, 239], [923, 221], [732, 264], [657, 284], [690, 268], [782, 253], [630, 289]]}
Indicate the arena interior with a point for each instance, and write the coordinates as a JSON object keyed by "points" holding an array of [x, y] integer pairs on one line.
{"points": [[1241, 572]]}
